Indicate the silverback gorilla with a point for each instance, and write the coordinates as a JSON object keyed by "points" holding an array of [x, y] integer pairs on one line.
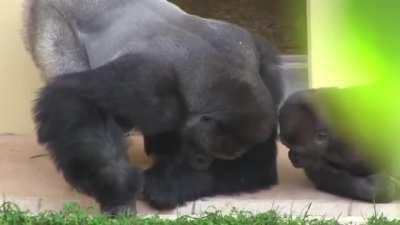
{"points": [[309, 128], [203, 92]]}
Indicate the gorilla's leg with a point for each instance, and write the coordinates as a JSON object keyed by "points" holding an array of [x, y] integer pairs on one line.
{"points": [[255, 170], [172, 181], [53, 43], [89, 148], [374, 188]]}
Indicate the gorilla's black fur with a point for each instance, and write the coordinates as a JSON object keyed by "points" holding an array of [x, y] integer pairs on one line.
{"points": [[83, 118], [203, 92], [309, 122]]}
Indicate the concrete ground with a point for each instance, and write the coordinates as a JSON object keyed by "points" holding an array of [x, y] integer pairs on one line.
{"points": [[28, 178]]}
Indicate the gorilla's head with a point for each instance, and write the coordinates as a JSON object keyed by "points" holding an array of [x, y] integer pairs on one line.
{"points": [[303, 130], [205, 138]]}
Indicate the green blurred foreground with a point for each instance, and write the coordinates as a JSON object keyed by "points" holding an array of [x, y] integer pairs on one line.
{"points": [[368, 50]]}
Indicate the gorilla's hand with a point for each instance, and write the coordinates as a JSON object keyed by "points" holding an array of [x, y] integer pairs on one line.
{"points": [[380, 188]]}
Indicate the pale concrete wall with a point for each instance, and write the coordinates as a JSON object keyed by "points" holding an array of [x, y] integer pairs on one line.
{"points": [[322, 65], [19, 79], [332, 59]]}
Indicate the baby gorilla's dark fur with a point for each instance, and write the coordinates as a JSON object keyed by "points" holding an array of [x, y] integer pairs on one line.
{"points": [[328, 158], [83, 117]]}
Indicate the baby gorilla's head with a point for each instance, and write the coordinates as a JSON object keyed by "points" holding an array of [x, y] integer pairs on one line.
{"points": [[303, 130], [205, 138]]}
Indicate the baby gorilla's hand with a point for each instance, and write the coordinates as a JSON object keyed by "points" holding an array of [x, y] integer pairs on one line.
{"points": [[382, 188], [301, 160]]}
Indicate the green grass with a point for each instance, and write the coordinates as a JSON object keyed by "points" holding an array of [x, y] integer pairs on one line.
{"points": [[10, 214]]}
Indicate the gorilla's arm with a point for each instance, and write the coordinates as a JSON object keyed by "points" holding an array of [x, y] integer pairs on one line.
{"points": [[352, 162], [89, 148], [373, 188], [78, 116]]}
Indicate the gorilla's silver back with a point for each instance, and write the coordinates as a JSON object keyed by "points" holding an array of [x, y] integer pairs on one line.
{"points": [[65, 36]]}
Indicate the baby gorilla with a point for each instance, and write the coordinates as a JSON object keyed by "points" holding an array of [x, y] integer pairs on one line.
{"points": [[330, 160]]}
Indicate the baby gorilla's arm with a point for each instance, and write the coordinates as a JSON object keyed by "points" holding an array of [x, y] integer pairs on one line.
{"points": [[373, 188], [350, 160]]}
